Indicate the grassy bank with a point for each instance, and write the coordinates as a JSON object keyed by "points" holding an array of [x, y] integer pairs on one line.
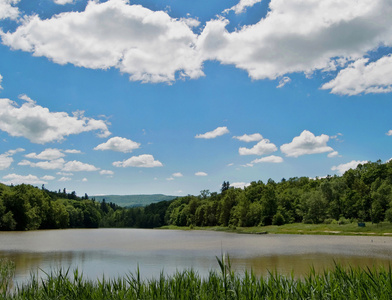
{"points": [[382, 229], [338, 283]]}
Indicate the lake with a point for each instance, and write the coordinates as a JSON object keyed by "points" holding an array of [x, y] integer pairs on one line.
{"points": [[116, 252]]}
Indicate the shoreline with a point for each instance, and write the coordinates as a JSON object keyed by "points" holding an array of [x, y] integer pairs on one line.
{"points": [[351, 229]]}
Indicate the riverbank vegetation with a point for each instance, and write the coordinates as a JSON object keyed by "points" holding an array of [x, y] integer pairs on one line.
{"points": [[370, 229], [337, 283], [360, 195]]}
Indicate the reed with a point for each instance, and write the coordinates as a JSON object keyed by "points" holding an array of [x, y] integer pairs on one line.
{"points": [[7, 272], [336, 283]]}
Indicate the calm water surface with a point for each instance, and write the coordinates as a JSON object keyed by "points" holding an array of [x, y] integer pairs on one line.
{"points": [[115, 252]]}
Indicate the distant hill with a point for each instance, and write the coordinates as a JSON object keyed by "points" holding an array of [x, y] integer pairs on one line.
{"points": [[133, 200]]}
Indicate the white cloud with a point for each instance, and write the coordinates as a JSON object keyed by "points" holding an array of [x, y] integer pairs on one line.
{"points": [[201, 174], [65, 179], [333, 154], [84, 179], [47, 154], [19, 179], [64, 174], [48, 177], [169, 178], [361, 77], [191, 22], [300, 36], [248, 165], [118, 144], [150, 46], [261, 148], [40, 126], [268, 159], [63, 2], [178, 174], [106, 172], [72, 151], [285, 80], [141, 161], [306, 143], [249, 138], [77, 166], [342, 168], [239, 185], [7, 10], [241, 6], [213, 134], [6, 159], [389, 132], [46, 165], [1, 79]]}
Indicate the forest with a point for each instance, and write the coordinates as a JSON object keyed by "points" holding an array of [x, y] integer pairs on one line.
{"points": [[361, 194]]}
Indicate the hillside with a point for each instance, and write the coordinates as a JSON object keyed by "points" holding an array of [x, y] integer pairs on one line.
{"points": [[134, 200]]}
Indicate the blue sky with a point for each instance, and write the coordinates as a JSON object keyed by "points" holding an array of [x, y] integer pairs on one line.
{"points": [[174, 97]]}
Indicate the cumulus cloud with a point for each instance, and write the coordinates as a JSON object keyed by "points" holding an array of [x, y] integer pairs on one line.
{"points": [[60, 163], [389, 132], [249, 138], [268, 159], [6, 158], [306, 143], [151, 46], [1, 79], [106, 172], [141, 161], [342, 168], [41, 126], [241, 6], [72, 151], [64, 174], [300, 36], [201, 174], [47, 154], [363, 77], [19, 179], [333, 154], [239, 185], [118, 144], [148, 45], [78, 166], [63, 2], [8, 10], [65, 179], [178, 174], [48, 177], [261, 148], [285, 80], [5, 161], [213, 134], [46, 165]]}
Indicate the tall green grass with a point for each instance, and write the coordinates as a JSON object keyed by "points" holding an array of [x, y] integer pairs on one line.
{"points": [[7, 272], [337, 283]]}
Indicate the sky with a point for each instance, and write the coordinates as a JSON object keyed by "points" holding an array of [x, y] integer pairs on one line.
{"points": [[177, 96]]}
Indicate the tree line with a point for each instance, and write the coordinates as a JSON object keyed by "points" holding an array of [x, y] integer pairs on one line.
{"points": [[361, 194]]}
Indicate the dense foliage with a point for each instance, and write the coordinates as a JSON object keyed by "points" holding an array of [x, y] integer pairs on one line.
{"points": [[361, 194], [338, 283], [24, 207]]}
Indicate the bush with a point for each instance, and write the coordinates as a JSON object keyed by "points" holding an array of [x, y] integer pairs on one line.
{"points": [[278, 219]]}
